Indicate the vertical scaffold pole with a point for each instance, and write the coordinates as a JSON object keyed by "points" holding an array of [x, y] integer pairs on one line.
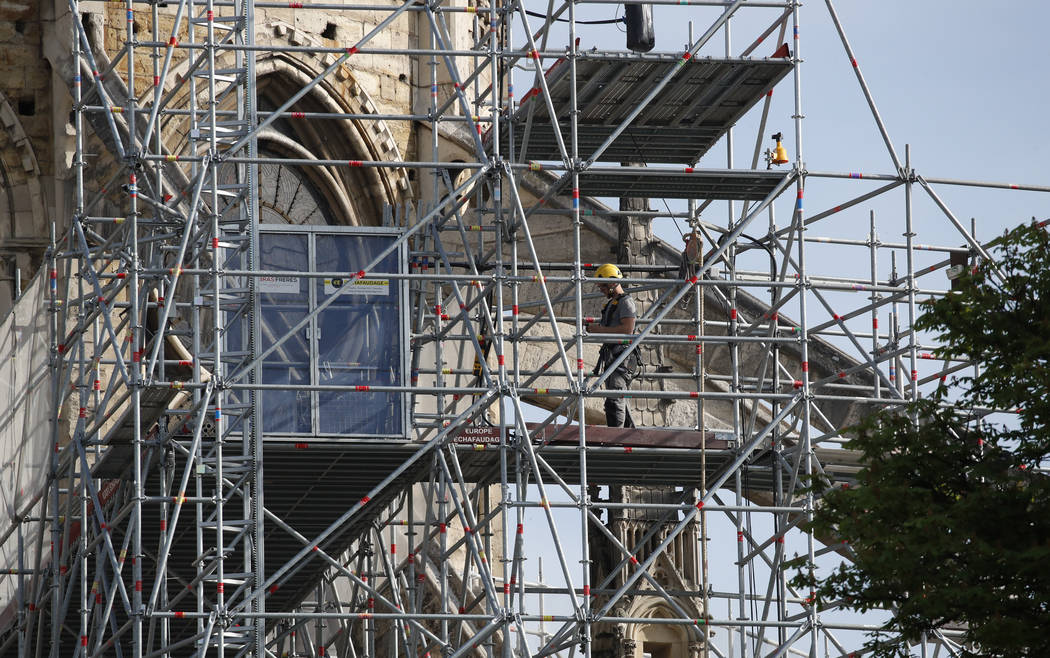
{"points": [[254, 441], [581, 404], [909, 238], [137, 338], [799, 218]]}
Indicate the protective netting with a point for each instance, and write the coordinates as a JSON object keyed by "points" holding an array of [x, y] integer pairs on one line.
{"points": [[25, 434]]}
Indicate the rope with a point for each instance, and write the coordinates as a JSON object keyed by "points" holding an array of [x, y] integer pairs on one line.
{"points": [[609, 21]]}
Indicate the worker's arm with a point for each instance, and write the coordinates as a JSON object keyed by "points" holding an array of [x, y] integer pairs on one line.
{"points": [[626, 326]]}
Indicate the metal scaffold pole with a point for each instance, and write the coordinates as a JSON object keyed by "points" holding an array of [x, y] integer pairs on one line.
{"points": [[319, 375]]}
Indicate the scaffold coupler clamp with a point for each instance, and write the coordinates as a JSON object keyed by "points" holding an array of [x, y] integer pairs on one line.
{"points": [[581, 637]]}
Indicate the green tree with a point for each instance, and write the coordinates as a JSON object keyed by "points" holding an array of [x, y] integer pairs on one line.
{"points": [[949, 524]]}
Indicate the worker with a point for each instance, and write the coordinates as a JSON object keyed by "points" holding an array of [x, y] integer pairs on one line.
{"points": [[618, 316]]}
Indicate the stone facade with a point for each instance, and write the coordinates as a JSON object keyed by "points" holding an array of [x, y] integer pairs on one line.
{"points": [[676, 570], [33, 142]]}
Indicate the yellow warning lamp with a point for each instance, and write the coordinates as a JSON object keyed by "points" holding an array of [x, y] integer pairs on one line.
{"points": [[780, 155]]}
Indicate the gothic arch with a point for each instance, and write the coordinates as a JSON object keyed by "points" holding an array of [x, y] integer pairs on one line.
{"points": [[334, 205], [23, 211], [658, 640], [21, 172], [362, 192], [356, 195]]}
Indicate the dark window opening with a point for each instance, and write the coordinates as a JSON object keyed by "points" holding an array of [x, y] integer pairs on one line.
{"points": [[20, 27], [27, 106], [656, 650], [329, 31]]}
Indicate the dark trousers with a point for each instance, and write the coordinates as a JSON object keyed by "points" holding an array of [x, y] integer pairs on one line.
{"points": [[616, 412]]}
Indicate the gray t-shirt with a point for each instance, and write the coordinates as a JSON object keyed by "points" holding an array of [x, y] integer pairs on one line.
{"points": [[614, 311], [617, 309]]}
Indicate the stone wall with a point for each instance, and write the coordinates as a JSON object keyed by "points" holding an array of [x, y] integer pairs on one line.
{"points": [[26, 166]]}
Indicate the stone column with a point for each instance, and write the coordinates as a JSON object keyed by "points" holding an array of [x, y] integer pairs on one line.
{"points": [[636, 245]]}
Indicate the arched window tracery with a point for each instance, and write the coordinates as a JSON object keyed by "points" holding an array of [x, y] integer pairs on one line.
{"points": [[344, 195]]}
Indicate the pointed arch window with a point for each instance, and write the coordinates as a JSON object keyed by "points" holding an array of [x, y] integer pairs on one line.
{"points": [[288, 196]]}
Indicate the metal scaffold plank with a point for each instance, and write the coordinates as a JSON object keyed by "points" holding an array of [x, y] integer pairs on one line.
{"points": [[687, 117], [708, 184]]}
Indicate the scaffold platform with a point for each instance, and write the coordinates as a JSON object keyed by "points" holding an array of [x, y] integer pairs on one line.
{"points": [[679, 125], [315, 482], [689, 183]]}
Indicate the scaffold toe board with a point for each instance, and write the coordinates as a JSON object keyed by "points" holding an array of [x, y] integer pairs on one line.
{"points": [[716, 184], [681, 123]]}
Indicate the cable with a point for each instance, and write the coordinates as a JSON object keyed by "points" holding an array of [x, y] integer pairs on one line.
{"points": [[610, 21], [638, 148]]}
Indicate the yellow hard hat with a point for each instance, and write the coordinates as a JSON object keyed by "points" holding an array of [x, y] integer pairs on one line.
{"points": [[608, 271]]}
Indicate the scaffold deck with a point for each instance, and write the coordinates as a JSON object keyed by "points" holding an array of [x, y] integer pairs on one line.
{"points": [[679, 125], [714, 184]]}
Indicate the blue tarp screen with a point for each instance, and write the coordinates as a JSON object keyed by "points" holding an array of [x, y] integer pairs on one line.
{"points": [[356, 340]]}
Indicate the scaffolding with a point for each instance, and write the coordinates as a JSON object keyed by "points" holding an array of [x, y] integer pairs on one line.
{"points": [[198, 500]]}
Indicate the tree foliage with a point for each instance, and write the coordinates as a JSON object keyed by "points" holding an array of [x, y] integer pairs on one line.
{"points": [[949, 524]]}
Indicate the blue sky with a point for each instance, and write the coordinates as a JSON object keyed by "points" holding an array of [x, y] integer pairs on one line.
{"points": [[959, 81]]}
